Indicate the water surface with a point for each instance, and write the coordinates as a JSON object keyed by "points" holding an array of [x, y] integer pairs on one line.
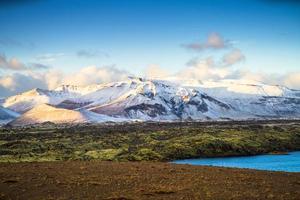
{"points": [[288, 163]]}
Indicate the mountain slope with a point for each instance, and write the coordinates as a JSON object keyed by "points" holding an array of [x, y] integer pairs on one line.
{"points": [[170, 99], [46, 113], [7, 115]]}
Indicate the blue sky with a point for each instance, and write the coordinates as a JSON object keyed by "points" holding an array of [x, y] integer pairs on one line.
{"points": [[133, 34]]}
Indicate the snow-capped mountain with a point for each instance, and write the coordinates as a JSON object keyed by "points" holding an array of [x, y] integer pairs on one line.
{"points": [[170, 99]]}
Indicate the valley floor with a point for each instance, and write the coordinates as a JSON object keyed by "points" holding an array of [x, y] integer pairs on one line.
{"points": [[141, 180], [151, 141]]}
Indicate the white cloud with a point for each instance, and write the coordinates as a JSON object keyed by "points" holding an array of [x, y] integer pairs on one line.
{"points": [[11, 64], [92, 74], [292, 80], [207, 69], [15, 83], [203, 70], [8, 82], [53, 78], [49, 57], [233, 57], [15, 64], [156, 72], [214, 41]]}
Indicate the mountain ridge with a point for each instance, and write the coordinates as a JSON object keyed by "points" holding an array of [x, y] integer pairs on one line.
{"points": [[169, 99]]}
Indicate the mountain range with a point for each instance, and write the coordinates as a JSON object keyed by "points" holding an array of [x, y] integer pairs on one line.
{"points": [[171, 99]]}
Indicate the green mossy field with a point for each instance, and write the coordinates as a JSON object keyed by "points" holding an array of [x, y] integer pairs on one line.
{"points": [[147, 141]]}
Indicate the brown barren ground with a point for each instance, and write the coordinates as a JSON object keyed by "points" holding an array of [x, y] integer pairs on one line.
{"points": [[141, 180]]}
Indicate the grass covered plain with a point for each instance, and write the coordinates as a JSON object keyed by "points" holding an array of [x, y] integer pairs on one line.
{"points": [[147, 141]]}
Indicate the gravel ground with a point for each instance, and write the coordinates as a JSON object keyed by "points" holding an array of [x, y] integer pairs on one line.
{"points": [[141, 180]]}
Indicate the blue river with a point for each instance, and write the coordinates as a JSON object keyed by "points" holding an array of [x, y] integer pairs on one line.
{"points": [[287, 163]]}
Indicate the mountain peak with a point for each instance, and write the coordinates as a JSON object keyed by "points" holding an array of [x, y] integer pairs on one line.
{"points": [[33, 92], [136, 78]]}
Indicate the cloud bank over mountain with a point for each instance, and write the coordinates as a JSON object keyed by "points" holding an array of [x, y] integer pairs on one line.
{"points": [[205, 69], [27, 76], [17, 82]]}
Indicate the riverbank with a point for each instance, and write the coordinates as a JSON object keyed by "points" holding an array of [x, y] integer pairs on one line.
{"points": [[288, 162], [141, 180]]}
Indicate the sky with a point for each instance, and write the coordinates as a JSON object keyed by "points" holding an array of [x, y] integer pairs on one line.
{"points": [[45, 43]]}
